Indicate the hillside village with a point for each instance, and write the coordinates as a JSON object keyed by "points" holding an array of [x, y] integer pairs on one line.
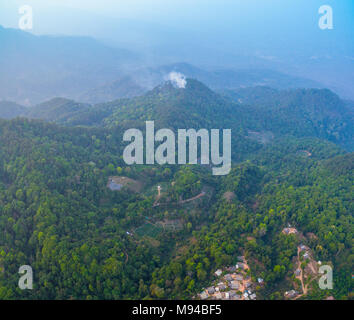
{"points": [[306, 267], [232, 283], [235, 283]]}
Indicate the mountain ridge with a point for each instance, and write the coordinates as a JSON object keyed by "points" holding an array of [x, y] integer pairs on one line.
{"points": [[249, 112]]}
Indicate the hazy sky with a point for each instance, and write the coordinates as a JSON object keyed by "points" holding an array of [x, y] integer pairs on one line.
{"points": [[267, 28], [216, 19], [276, 34]]}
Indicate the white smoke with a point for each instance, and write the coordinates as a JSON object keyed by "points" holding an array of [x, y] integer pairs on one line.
{"points": [[178, 79]]}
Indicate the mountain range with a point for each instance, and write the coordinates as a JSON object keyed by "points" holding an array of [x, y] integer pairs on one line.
{"points": [[38, 68], [268, 112], [35, 68]]}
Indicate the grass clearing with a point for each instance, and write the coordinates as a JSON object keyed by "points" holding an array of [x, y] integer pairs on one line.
{"points": [[125, 182]]}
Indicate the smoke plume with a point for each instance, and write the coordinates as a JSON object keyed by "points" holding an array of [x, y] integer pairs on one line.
{"points": [[178, 79]]}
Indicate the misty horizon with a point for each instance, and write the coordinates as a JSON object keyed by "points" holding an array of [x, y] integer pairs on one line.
{"points": [[272, 35]]}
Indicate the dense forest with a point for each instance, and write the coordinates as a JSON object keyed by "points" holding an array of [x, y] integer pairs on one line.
{"points": [[293, 165]]}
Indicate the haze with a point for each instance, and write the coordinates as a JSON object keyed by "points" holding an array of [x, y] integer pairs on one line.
{"points": [[273, 34]]}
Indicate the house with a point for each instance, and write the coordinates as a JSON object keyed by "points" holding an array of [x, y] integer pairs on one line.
{"points": [[204, 295], [303, 247], [248, 284], [297, 272], [235, 285], [218, 296], [289, 230], [218, 272], [211, 290], [232, 293], [306, 255], [239, 277], [290, 294], [253, 296], [226, 296], [222, 286], [260, 280], [217, 289], [235, 297], [245, 295], [228, 277]]}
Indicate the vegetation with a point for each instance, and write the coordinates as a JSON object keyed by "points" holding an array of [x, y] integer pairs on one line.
{"points": [[85, 241]]}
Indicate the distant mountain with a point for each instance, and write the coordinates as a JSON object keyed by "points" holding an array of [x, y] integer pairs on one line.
{"points": [[124, 87], [139, 81], [219, 79], [36, 68], [10, 110], [58, 110], [255, 115]]}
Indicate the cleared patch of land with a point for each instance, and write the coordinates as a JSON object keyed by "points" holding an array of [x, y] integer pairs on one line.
{"points": [[148, 229], [116, 183], [173, 225]]}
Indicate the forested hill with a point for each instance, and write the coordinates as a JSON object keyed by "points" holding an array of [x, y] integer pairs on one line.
{"points": [[259, 113], [57, 110], [85, 241], [9, 110], [195, 106], [317, 112], [92, 227], [124, 87]]}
